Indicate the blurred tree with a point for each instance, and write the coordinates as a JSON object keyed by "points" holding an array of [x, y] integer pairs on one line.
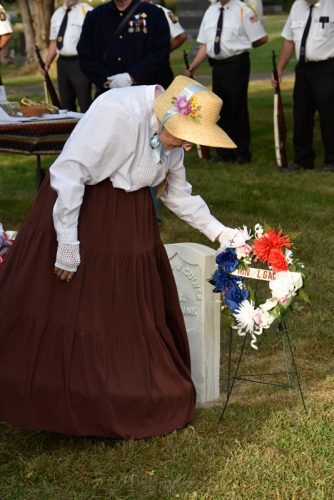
{"points": [[36, 15]]}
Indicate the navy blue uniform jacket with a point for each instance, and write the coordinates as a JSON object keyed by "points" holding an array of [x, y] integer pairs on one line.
{"points": [[141, 49]]}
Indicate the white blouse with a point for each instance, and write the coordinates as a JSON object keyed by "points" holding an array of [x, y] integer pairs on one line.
{"points": [[112, 140]]}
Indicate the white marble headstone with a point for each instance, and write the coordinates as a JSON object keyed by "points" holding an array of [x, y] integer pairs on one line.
{"points": [[193, 264]]}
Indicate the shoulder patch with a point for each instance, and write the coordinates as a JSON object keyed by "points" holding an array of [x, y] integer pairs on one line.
{"points": [[3, 15], [254, 19], [251, 8], [172, 17]]}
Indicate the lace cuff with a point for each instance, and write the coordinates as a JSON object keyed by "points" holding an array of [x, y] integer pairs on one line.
{"points": [[68, 256]]}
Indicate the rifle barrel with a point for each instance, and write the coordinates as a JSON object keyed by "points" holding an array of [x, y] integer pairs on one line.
{"points": [[51, 90], [279, 121], [185, 58]]}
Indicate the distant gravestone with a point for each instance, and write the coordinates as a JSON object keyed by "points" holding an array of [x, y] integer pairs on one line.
{"points": [[273, 6], [193, 264], [190, 14]]}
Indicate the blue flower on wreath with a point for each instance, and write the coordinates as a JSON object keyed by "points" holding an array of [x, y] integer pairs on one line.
{"points": [[234, 296], [222, 280], [228, 260]]}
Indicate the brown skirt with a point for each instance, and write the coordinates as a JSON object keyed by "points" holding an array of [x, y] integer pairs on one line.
{"points": [[106, 354]]}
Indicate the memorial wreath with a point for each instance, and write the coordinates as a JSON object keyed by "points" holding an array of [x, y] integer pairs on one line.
{"points": [[267, 255], [6, 241]]}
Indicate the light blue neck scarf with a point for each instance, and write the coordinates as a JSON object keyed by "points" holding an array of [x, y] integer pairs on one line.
{"points": [[158, 149]]}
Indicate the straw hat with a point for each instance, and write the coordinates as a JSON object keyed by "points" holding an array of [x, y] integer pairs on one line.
{"points": [[190, 112]]}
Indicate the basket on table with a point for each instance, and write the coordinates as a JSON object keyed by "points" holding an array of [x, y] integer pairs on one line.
{"points": [[33, 109]]}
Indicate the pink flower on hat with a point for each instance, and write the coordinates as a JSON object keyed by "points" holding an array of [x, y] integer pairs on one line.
{"points": [[183, 105], [187, 106]]}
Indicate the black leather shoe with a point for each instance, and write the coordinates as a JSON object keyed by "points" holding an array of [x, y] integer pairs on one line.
{"points": [[328, 167], [241, 160], [222, 159], [295, 167]]}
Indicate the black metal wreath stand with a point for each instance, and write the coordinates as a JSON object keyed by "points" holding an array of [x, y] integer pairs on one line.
{"points": [[290, 374]]}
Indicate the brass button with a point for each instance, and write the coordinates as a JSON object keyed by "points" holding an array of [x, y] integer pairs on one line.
{"points": [[121, 13]]}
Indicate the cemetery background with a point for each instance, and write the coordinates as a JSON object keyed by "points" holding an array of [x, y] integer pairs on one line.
{"points": [[266, 446]]}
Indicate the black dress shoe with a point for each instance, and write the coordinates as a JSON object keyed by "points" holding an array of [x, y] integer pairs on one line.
{"points": [[222, 159], [241, 160], [294, 167], [328, 167]]}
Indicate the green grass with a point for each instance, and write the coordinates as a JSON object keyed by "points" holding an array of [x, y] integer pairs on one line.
{"points": [[266, 447]]}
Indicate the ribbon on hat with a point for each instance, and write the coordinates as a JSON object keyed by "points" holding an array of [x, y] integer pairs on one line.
{"points": [[184, 104]]}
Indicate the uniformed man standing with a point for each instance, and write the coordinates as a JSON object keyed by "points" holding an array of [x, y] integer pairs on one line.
{"points": [[177, 34], [137, 55], [66, 25], [309, 32], [229, 30], [5, 28]]}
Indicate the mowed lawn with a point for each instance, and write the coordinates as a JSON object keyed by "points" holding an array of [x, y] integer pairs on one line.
{"points": [[267, 447]]}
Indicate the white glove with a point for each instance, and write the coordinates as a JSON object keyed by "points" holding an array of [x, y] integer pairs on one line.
{"points": [[68, 256], [120, 80], [233, 238]]}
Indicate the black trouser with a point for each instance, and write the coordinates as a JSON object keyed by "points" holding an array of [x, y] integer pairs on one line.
{"points": [[313, 91], [73, 84], [230, 79]]}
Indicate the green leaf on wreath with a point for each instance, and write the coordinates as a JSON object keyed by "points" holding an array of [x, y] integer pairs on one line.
{"points": [[251, 293], [303, 295]]}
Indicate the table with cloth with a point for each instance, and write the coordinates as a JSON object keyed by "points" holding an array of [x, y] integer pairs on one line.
{"points": [[40, 136]]}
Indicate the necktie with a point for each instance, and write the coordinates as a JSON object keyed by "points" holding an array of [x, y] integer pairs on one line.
{"points": [[218, 31], [62, 29], [304, 37]]}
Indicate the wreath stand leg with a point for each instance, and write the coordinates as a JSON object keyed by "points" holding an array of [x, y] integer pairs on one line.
{"points": [[287, 350]]}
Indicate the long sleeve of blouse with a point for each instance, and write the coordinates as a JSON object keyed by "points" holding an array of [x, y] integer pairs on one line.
{"points": [[179, 199], [112, 140]]}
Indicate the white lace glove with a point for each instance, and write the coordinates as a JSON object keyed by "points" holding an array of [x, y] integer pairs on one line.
{"points": [[233, 238], [68, 256], [120, 80]]}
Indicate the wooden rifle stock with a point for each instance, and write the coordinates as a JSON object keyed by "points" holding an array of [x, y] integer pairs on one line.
{"points": [[49, 85], [186, 60], [202, 151], [279, 121]]}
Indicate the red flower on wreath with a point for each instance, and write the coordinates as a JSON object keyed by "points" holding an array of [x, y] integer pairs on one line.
{"points": [[277, 260], [268, 242]]}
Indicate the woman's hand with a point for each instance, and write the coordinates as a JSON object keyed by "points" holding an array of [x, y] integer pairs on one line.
{"points": [[67, 261], [63, 275]]}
